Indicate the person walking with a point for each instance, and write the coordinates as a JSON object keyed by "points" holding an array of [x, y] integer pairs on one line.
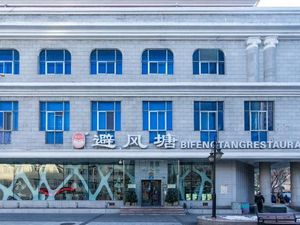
{"points": [[259, 200]]}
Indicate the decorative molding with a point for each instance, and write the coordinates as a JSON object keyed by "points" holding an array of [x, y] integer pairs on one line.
{"points": [[270, 42], [141, 89], [65, 155], [253, 42]]}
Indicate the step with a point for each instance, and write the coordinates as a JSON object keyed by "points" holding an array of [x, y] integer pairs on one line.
{"points": [[152, 211]]}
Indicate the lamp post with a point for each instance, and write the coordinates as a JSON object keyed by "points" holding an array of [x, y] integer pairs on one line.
{"points": [[215, 154]]}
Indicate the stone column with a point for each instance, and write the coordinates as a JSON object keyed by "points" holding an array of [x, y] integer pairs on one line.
{"points": [[265, 181], [252, 56], [270, 58], [295, 183]]}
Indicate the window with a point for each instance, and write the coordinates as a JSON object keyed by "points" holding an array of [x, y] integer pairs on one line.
{"points": [[208, 119], [208, 61], [106, 117], [106, 61], [55, 62], [8, 120], [157, 61], [157, 118], [54, 120], [9, 62], [259, 119]]}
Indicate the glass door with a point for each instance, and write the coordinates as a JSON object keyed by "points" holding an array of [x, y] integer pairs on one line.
{"points": [[151, 193]]}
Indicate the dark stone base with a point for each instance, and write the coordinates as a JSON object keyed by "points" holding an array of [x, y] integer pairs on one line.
{"points": [[205, 220]]}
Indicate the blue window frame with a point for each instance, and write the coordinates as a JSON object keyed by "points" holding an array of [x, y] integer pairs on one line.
{"points": [[9, 62], [8, 120], [157, 61], [106, 117], [259, 119], [106, 61], [54, 120], [208, 61], [55, 62], [208, 119], [157, 118]]}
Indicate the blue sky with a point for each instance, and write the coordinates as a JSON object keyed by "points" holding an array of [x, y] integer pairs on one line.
{"points": [[278, 3]]}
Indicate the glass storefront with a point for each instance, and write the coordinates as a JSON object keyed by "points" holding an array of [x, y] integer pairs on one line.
{"points": [[63, 182], [106, 181]]}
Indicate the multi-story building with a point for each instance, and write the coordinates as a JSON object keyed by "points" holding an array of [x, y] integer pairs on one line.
{"points": [[100, 98]]}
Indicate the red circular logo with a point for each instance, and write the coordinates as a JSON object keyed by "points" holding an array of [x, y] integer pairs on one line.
{"points": [[78, 140]]}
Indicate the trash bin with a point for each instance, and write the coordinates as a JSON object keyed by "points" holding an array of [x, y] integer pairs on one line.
{"points": [[245, 206]]}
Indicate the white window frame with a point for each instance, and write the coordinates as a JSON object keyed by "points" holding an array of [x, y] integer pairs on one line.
{"points": [[259, 120], [106, 62], [63, 121], [209, 112], [149, 119], [98, 119], [166, 62], [205, 61], [55, 62], [11, 121]]}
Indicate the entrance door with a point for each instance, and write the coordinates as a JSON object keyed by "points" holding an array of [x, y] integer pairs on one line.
{"points": [[151, 193]]}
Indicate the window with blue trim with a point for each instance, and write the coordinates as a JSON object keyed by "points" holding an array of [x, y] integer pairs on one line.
{"points": [[259, 119], [106, 61], [157, 118], [9, 62], [8, 120], [208, 119], [106, 117], [208, 61], [157, 61], [55, 62], [54, 120]]}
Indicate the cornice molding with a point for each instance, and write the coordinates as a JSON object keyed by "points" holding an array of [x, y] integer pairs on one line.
{"points": [[185, 31], [146, 154], [135, 89]]}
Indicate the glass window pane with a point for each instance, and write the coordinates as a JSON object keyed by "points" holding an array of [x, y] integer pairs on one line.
{"points": [[8, 68], [195, 68], [254, 121], [102, 121], [144, 68], [162, 68], [263, 121], [157, 105], [1, 121], [50, 121], [119, 68], [263, 136], [157, 55], [1, 67], [93, 68], [55, 55], [153, 67], [208, 55], [212, 121], [102, 106], [68, 68], [161, 121], [208, 106], [110, 120], [254, 136], [51, 68], [59, 68], [204, 136], [153, 120], [221, 68], [50, 138], [213, 68], [7, 121], [110, 67], [106, 55], [55, 106], [221, 55], [16, 68], [58, 121], [101, 67], [6, 55], [255, 106], [170, 68], [59, 138], [204, 121], [204, 68], [213, 136]]}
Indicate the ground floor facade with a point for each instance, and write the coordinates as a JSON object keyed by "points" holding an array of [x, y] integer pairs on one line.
{"points": [[108, 182]]}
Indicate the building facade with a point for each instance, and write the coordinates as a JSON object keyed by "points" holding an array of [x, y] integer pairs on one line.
{"points": [[100, 99]]}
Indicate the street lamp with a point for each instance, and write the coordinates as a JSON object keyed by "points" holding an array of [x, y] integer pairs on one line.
{"points": [[215, 154]]}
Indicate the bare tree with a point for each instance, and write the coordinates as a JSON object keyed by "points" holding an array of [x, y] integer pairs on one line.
{"points": [[279, 178]]}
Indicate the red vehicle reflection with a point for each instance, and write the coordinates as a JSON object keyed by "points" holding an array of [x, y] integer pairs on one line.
{"points": [[62, 190]]}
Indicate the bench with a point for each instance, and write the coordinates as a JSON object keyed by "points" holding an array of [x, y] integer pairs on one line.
{"points": [[277, 218]]}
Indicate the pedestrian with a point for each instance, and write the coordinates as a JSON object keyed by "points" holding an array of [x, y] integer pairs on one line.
{"points": [[259, 200]]}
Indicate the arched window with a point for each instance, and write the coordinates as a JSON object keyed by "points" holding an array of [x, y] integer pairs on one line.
{"points": [[9, 61], [106, 61], [55, 62], [157, 61], [208, 61]]}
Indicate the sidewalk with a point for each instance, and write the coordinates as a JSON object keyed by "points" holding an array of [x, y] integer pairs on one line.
{"points": [[95, 219]]}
